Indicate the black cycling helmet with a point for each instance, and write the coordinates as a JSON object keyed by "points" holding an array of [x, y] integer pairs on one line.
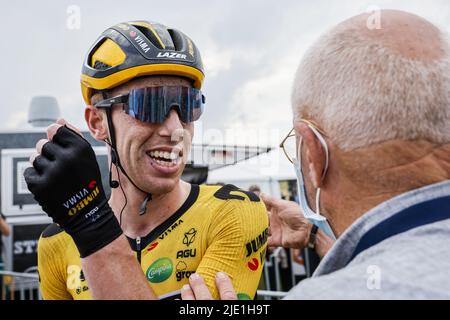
{"points": [[139, 48]]}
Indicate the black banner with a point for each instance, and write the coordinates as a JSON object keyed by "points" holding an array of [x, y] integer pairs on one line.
{"points": [[24, 250]]}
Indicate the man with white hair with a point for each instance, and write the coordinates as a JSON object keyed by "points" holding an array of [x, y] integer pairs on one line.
{"points": [[372, 125]]}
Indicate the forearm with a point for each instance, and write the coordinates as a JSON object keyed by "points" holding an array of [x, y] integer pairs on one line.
{"points": [[4, 228], [114, 273]]}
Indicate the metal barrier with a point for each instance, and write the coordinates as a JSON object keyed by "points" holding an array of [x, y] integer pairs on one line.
{"points": [[271, 294], [14, 282], [24, 286]]}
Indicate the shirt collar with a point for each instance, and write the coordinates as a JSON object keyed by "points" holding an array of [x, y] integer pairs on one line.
{"points": [[341, 252]]}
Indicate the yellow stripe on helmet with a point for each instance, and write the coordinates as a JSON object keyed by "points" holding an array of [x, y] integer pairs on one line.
{"points": [[89, 83], [148, 25]]}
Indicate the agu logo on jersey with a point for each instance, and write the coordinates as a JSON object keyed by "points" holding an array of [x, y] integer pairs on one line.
{"points": [[189, 237], [160, 270]]}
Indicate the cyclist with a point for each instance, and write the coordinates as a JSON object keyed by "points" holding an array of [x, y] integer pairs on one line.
{"points": [[141, 83]]}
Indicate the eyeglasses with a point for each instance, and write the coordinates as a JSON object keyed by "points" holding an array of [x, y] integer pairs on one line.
{"points": [[153, 104], [289, 143]]}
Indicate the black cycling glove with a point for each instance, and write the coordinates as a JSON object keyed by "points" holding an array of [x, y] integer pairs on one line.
{"points": [[65, 180]]}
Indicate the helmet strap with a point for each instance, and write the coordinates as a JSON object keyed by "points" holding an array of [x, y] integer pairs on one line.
{"points": [[116, 161]]}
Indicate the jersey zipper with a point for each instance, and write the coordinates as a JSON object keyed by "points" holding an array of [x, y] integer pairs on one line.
{"points": [[138, 248]]}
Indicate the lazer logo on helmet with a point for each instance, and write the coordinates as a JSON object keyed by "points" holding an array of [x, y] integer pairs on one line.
{"points": [[82, 198], [171, 55]]}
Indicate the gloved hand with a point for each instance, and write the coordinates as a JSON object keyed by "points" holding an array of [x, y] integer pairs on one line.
{"points": [[65, 180]]}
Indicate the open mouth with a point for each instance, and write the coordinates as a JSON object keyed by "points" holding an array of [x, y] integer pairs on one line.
{"points": [[166, 158]]}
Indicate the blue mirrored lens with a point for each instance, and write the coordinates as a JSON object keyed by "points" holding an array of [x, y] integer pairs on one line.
{"points": [[153, 104]]}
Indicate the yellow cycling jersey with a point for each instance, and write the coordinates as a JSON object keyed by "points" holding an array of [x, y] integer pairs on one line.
{"points": [[218, 228]]}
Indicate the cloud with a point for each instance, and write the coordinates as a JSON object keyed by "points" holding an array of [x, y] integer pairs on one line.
{"points": [[250, 49]]}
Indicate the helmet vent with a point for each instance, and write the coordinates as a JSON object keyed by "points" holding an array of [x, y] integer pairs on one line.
{"points": [[149, 36], [177, 39]]}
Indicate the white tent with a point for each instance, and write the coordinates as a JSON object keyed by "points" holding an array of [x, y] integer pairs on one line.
{"points": [[265, 171]]}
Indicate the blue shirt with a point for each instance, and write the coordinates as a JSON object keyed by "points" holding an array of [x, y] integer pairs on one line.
{"points": [[411, 265]]}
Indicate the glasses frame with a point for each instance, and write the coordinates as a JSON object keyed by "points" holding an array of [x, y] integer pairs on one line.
{"points": [[292, 134], [108, 103], [289, 135]]}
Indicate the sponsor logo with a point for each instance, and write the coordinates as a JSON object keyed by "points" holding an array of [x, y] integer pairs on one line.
{"points": [[82, 277], [257, 243], [133, 34], [160, 270], [189, 237], [170, 229], [25, 247], [262, 255], [188, 253], [82, 198], [171, 55], [181, 266], [181, 272], [92, 184], [243, 296], [82, 289], [76, 279], [141, 43], [253, 264], [152, 246]]}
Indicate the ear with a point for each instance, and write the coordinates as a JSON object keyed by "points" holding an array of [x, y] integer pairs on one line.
{"points": [[313, 153], [96, 121]]}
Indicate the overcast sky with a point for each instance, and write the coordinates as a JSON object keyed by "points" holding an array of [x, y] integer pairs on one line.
{"points": [[250, 50]]}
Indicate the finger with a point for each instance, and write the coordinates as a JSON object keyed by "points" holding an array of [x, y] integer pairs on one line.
{"points": [[32, 157], [63, 122], [198, 286], [40, 144], [52, 129], [225, 287], [187, 293], [65, 137], [269, 201], [273, 242], [40, 163], [49, 150], [31, 178]]}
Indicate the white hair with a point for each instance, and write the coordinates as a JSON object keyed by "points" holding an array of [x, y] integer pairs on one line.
{"points": [[362, 93]]}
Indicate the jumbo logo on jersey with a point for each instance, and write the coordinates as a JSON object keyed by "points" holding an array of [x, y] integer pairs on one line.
{"points": [[189, 237], [253, 264], [160, 270], [152, 246], [257, 243]]}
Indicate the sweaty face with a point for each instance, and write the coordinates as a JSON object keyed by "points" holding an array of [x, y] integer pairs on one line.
{"points": [[152, 154]]}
